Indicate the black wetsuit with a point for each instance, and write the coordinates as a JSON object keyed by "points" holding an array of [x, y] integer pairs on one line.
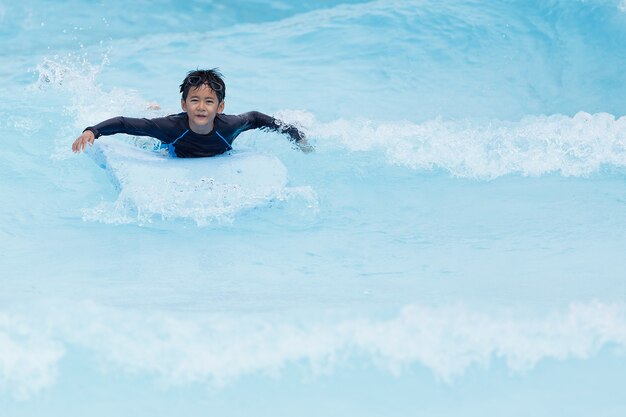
{"points": [[174, 131]]}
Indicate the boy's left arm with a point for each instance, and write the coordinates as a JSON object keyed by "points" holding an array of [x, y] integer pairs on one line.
{"points": [[260, 120]]}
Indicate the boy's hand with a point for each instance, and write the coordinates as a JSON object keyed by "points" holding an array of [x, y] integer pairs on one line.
{"points": [[305, 146], [80, 144]]}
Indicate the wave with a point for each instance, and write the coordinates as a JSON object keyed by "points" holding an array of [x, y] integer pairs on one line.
{"points": [[219, 349], [576, 146]]}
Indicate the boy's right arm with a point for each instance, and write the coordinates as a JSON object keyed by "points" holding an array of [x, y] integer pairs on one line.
{"points": [[131, 126]]}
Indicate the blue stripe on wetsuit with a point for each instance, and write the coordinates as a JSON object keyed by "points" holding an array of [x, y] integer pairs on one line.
{"points": [[170, 146], [225, 141]]}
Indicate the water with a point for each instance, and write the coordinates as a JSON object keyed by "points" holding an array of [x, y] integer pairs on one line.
{"points": [[453, 247]]}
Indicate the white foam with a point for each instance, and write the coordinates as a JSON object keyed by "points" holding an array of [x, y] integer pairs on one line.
{"points": [[536, 145], [219, 349], [28, 358], [88, 103]]}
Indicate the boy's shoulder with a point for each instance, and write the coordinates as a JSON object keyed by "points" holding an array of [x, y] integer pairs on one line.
{"points": [[247, 117], [172, 120], [177, 116], [169, 118], [226, 116], [233, 118]]}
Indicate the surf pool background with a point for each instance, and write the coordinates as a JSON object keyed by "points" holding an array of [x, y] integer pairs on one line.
{"points": [[455, 245]]}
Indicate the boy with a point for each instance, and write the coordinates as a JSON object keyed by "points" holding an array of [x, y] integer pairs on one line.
{"points": [[202, 130]]}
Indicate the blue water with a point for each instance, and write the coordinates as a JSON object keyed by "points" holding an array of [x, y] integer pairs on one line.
{"points": [[454, 247]]}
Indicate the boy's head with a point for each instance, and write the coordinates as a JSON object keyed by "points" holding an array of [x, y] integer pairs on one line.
{"points": [[212, 78]]}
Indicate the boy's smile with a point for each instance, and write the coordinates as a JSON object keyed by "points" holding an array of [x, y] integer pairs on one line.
{"points": [[202, 106]]}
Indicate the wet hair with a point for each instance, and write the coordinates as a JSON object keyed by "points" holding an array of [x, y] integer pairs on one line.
{"points": [[212, 78]]}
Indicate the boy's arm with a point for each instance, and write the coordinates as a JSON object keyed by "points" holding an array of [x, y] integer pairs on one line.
{"points": [[128, 125], [263, 121]]}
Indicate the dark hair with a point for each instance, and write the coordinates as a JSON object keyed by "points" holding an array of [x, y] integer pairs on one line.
{"points": [[212, 78]]}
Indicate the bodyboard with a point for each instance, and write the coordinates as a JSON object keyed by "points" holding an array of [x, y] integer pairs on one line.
{"points": [[153, 183]]}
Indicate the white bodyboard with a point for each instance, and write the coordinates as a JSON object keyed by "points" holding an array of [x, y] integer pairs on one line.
{"points": [[153, 183]]}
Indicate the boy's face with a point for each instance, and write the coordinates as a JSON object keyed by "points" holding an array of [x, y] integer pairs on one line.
{"points": [[201, 106]]}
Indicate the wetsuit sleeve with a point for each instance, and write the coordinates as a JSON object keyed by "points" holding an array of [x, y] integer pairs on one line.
{"points": [[260, 120], [156, 128]]}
